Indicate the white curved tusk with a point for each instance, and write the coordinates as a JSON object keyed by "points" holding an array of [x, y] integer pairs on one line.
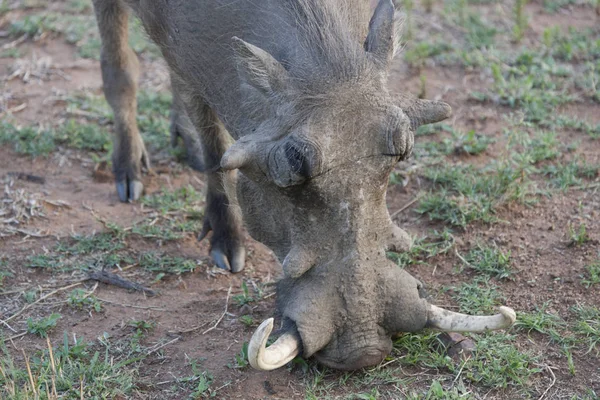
{"points": [[450, 321], [276, 355]]}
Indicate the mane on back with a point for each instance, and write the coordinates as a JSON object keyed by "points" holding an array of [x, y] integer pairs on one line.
{"points": [[332, 34]]}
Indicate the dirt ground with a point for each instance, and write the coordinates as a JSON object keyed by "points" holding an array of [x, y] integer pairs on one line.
{"points": [[195, 315]]}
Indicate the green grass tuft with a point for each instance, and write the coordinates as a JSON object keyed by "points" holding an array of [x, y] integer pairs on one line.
{"points": [[69, 371], [479, 297], [165, 264], [466, 194], [431, 245], [496, 363], [184, 199], [79, 299], [490, 261], [587, 327], [592, 274], [578, 236], [542, 322], [42, 326]]}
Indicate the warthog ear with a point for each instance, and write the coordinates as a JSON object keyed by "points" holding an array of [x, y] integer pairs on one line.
{"points": [[258, 68], [383, 39]]}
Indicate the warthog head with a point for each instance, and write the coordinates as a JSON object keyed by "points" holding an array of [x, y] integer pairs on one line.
{"points": [[313, 185]]}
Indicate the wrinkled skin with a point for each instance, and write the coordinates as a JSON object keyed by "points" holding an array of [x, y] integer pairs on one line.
{"points": [[300, 86], [345, 304]]}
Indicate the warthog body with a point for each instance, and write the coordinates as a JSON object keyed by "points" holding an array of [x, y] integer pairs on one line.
{"points": [[300, 86]]}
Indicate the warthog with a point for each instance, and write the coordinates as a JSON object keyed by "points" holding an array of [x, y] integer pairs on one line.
{"points": [[300, 85]]}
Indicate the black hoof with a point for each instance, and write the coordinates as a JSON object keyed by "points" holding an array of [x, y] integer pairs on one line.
{"points": [[235, 263], [130, 192]]}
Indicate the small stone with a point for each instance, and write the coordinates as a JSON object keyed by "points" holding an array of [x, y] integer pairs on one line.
{"points": [[246, 310], [457, 346]]}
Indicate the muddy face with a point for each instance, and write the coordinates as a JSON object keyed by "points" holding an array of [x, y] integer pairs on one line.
{"points": [[317, 197], [312, 187], [340, 288]]}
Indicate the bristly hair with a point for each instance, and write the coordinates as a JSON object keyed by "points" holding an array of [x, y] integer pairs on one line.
{"points": [[331, 39]]}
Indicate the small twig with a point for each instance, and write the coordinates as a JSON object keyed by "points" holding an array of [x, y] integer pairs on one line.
{"points": [[410, 203], [53, 364], [132, 306], [590, 186], [9, 327], [222, 315], [14, 43], [14, 109], [17, 336], [81, 388], [192, 329], [33, 386], [468, 264], [41, 288], [26, 232], [113, 279], [12, 292], [88, 294], [129, 267], [57, 203], [459, 371], [161, 346], [223, 386], [380, 367], [27, 177], [28, 306], [552, 384]]}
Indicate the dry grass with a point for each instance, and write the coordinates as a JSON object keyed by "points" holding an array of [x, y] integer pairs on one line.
{"points": [[17, 208]]}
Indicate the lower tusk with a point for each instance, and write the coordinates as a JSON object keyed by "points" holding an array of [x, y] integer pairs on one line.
{"points": [[276, 355], [450, 321]]}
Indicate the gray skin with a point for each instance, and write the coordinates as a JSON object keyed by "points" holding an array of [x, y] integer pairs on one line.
{"points": [[300, 85]]}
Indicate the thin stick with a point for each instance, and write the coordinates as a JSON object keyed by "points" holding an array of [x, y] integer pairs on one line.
{"points": [[468, 264], [12, 292], [14, 43], [17, 336], [222, 315], [51, 354], [590, 186], [91, 292], [410, 203], [192, 329], [161, 346], [224, 386], [41, 288], [27, 233], [552, 384], [28, 306], [459, 372], [112, 279], [132, 306], [9, 327], [29, 373]]}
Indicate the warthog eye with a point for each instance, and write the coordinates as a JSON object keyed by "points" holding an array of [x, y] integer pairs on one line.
{"points": [[297, 160], [293, 161]]}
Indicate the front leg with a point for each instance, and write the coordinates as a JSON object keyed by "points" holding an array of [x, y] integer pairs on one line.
{"points": [[120, 71], [222, 216], [223, 219]]}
